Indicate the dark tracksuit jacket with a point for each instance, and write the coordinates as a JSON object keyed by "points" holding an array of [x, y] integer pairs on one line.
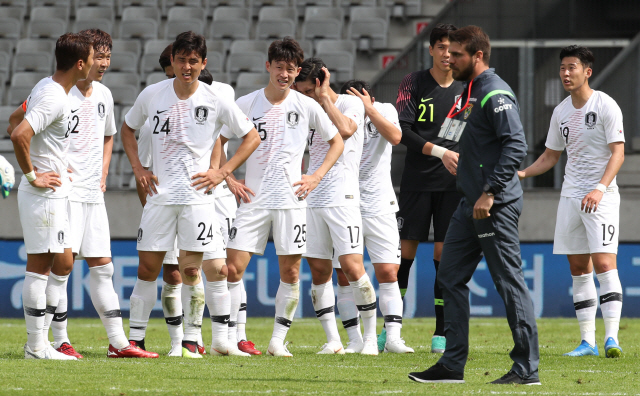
{"points": [[492, 146]]}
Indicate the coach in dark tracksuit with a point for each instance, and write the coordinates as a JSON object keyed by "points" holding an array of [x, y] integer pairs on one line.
{"points": [[492, 146]]}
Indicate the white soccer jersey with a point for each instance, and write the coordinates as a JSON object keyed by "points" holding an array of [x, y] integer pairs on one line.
{"points": [[182, 137], [339, 187], [277, 162], [377, 196], [586, 133], [48, 112], [91, 120]]}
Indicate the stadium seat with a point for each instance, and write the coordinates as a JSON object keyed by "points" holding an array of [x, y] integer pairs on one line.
{"points": [[10, 28], [369, 27], [322, 22], [307, 47], [115, 79], [257, 5], [146, 29], [125, 62], [5, 113], [102, 24], [149, 61], [15, 3], [52, 28], [5, 70], [13, 12], [240, 46], [252, 80], [124, 94], [340, 64], [186, 13], [303, 4], [40, 62], [95, 3], [347, 4], [221, 77], [21, 85], [47, 13], [168, 4], [7, 45], [404, 8], [174, 28], [230, 23], [215, 61], [154, 78], [328, 46], [50, 3], [141, 13], [36, 45], [132, 46], [276, 22], [246, 56], [93, 13], [122, 4], [217, 46]]}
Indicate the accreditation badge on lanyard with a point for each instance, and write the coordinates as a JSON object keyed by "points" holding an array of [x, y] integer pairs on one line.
{"points": [[452, 129]]}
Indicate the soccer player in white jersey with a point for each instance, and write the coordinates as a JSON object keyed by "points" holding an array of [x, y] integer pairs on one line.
{"points": [[378, 205], [588, 124], [334, 223], [185, 116], [40, 143], [283, 118]]}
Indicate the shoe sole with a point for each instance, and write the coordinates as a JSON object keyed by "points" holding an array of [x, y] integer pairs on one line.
{"points": [[450, 381], [614, 352], [437, 351]]}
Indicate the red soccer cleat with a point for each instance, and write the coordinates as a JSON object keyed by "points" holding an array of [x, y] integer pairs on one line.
{"points": [[67, 349], [131, 351], [248, 347], [201, 350]]}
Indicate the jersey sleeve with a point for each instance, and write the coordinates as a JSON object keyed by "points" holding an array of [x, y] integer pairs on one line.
{"points": [[612, 121], [390, 114], [139, 112], [406, 103], [243, 104], [355, 111], [234, 121], [319, 120], [144, 145], [554, 137], [43, 109], [110, 123]]}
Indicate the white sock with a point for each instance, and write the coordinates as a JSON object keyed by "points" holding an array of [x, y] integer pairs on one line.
{"points": [[391, 308], [586, 304], [242, 315], [59, 323], [323, 298], [105, 300], [199, 329], [55, 283], [193, 307], [34, 302], [142, 300], [287, 299], [349, 314], [365, 297], [219, 309], [171, 297], [235, 298], [610, 302]]}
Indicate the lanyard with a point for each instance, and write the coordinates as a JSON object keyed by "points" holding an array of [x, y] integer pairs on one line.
{"points": [[455, 104]]}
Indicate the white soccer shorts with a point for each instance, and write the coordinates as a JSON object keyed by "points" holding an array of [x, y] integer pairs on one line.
{"points": [[226, 208], [89, 226], [338, 228], [45, 224], [171, 257], [381, 238], [250, 230], [578, 232], [194, 225]]}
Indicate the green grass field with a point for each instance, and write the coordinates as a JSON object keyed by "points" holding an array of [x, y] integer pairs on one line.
{"points": [[308, 373]]}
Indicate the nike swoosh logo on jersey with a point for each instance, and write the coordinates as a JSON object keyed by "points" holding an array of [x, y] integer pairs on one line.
{"points": [[562, 123], [73, 111], [425, 100], [160, 112], [257, 118]]}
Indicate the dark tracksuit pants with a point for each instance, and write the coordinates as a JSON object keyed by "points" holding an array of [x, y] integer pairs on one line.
{"points": [[497, 237]]}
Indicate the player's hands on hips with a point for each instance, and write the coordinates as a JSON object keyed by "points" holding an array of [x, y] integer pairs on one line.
{"points": [[482, 207], [240, 190], [46, 180], [307, 184], [591, 201], [450, 161], [147, 180], [208, 179], [322, 90]]}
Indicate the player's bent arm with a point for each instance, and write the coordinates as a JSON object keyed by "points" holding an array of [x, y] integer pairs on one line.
{"points": [[386, 128], [546, 161], [106, 160], [250, 143], [345, 125], [15, 119], [412, 140], [147, 179], [21, 139], [310, 182], [216, 154], [614, 164]]}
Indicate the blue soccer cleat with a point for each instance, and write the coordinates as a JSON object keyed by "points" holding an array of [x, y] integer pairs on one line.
{"points": [[584, 349], [612, 349]]}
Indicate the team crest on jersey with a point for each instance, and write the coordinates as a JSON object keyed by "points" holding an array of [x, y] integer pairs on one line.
{"points": [[201, 114], [60, 237], [372, 130], [590, 119], [293, 118], [467, 111], [139, 234], [232, 233], [101, 110]]}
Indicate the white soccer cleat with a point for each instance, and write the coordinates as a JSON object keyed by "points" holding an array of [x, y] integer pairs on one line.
{"points": [[332, 348], [278, 349], [47, 353], [224, 348], [397, 346], [354, 346], [370, 347], [176, 350]]}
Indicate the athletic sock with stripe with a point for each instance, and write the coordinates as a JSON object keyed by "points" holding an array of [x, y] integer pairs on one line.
{"points": [[105, 300], [323, 298], [586, 304], [610, 302], [171, 297], [349, 314], [287, 299]]}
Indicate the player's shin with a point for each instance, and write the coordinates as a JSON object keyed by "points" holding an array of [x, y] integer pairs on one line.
{"points": [[235, 292], [391, 308], [34, 302], [192, 297], [218, 294], [365, 297], [105, 300], [242, 314], [610, 302], [142, 300], [287, 299], [171, 297], [56, 286], [585, 303], [349, 314], [323, 298]]}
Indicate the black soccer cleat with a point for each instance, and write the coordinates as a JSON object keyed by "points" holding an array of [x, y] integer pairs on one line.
{"points": [[512, 378], [438, 373]]}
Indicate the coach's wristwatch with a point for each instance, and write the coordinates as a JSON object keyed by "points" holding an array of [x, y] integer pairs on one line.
{"points": [[487, 189]]}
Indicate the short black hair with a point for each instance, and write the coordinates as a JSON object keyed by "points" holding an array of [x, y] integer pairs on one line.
{"points": [[439, 32], [287, 50], [584, 54], [188, 42], [101, 40], [205, 77], [70, 48], [358, 85], [165, 57], [311, 69]]}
